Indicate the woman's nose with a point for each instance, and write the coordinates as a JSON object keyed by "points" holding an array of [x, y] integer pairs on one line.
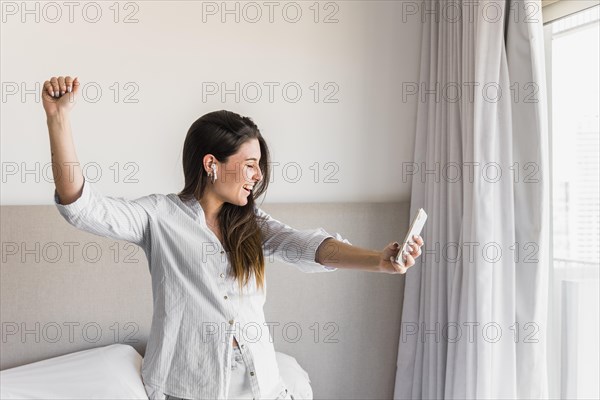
{"points": [[258, 176]]}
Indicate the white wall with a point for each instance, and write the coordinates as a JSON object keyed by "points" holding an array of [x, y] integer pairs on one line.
{"points": [[167, 57]]}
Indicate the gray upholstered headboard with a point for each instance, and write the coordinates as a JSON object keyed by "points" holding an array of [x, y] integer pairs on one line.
{"points": [[65, 290]]}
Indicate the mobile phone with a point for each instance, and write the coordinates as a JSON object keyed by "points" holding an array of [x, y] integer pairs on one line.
{"points": [[415, 229]]}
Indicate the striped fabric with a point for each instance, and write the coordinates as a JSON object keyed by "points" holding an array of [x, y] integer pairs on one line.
{"points": [[197, 306]]}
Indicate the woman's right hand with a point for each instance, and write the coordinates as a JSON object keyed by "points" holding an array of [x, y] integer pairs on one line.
{"points": [[58, 95]]}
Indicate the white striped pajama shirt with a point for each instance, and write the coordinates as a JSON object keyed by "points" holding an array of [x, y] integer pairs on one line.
{"points": [[197, 306]]}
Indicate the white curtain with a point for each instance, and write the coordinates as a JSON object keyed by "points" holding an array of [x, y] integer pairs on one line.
{"points": [[475, 304]]}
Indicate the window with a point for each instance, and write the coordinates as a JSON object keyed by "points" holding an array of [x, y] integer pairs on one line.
{"points": [[572, 58]]}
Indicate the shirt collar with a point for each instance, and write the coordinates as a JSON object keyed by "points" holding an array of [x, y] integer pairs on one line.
{"points": [[194, 204]]}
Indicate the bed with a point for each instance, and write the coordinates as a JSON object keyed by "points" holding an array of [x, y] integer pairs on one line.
{"points": [[108, 372]]}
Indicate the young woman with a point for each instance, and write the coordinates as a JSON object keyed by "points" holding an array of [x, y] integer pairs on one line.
{"points": [[206, 248]]}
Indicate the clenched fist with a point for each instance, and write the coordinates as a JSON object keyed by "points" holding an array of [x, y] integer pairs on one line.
{"points": [[58, 95]]}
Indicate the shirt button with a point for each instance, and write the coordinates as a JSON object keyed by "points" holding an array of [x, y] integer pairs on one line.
{"points": [[222, 251], [230, 322], [242, 346], [222, 275], [225, 297], [252, 373]]}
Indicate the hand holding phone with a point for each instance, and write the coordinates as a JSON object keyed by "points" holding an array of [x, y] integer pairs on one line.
{"points": [[415, 229]]}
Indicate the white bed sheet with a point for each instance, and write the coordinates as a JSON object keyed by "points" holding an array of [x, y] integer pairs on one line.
{"points": [[109, 372], [112, 371]]}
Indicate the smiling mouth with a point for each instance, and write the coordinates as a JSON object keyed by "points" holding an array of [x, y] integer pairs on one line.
{"points": [[246, 190]]}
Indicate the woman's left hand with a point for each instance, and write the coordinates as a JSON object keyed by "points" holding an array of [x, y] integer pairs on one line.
{"points": [[387, 262]]}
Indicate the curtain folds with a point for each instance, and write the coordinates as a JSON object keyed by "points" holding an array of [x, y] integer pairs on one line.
{"points": [[474, 311]]}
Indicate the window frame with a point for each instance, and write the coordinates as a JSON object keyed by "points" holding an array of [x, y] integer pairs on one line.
{"points": [[553, 10]]}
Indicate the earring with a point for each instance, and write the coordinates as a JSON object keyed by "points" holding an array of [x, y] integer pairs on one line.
{"points": [[213, 175]]}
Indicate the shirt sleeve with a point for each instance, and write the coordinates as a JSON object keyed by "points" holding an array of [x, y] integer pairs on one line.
{"points": [[107, 216], [293, 246]]}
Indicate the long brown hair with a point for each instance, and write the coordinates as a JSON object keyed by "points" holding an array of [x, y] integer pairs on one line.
{"points": [[221, 133]]}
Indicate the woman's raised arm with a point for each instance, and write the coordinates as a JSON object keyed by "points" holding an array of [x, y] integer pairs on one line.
{"points": [[58, 99], [76, 199]]}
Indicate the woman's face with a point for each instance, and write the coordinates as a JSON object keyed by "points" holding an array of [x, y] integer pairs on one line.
{"points": [[242, 169]]}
